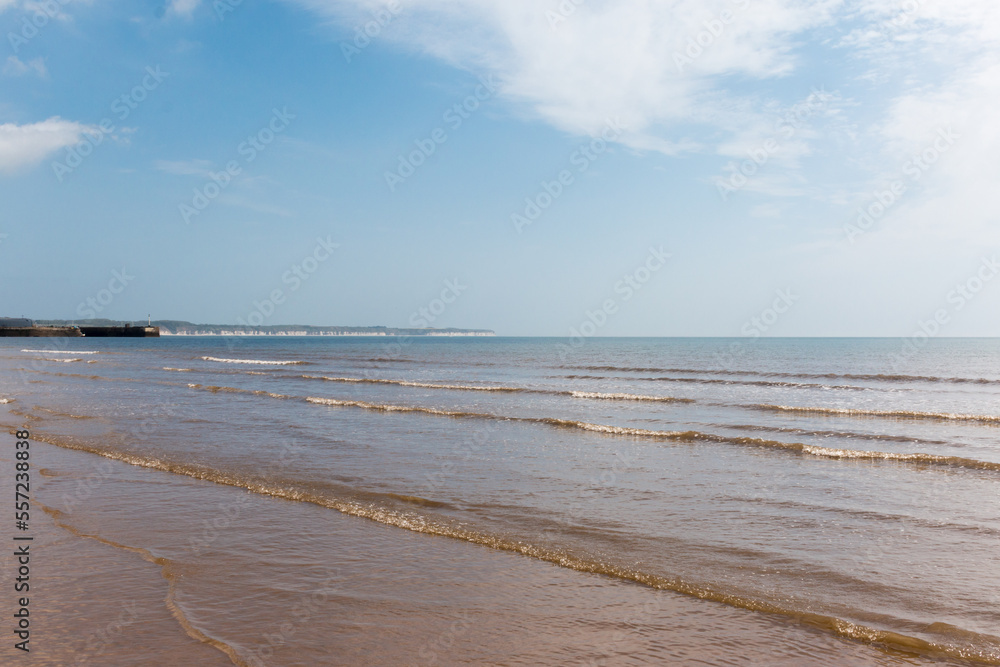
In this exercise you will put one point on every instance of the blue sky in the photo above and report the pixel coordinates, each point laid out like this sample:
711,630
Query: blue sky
744,138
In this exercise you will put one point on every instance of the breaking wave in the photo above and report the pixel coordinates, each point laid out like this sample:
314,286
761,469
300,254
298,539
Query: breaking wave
628,397
896,414
677,436
872,377
465,387
382,407
407,383
749,383
255,362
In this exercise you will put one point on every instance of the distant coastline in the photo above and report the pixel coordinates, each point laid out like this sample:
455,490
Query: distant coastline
181,328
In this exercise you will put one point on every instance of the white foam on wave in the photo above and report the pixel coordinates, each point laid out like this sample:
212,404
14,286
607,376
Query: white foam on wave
177,370
255,362
684,436
896,456
65,361
621,430
5,401
627,397
389,408
408,383
59,352
905,414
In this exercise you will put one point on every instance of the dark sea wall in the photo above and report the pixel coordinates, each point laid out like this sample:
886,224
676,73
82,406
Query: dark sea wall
39,332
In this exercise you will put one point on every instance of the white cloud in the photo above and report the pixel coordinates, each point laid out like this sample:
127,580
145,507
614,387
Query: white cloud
23,146
674,72
15,67
940,62
183,8
684,76
52,9
954,196
625,59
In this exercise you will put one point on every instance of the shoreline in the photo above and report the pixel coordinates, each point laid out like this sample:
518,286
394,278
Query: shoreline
508,591
459,525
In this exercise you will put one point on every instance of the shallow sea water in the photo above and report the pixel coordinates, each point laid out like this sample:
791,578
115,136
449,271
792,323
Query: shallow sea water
309,501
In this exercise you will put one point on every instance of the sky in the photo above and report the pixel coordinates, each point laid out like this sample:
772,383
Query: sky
535,167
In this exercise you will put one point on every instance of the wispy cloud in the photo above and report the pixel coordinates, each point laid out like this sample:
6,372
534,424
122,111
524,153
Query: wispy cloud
631,59
51,9
712,76
183,8
15,67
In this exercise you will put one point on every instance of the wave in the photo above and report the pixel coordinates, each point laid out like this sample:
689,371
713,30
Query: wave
408,518
676,436
67,415
5,401
167,569
873,377
465,387
893,377
681,436
256,362
896,414
234,390
59,352
382,407
760,383
178,370
867,514
65,361
24,415
817,433
627,397
623,430
955,461
407,383
749,383
405,360
79,375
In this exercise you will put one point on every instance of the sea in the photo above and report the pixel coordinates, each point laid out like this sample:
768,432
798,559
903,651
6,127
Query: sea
505,501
